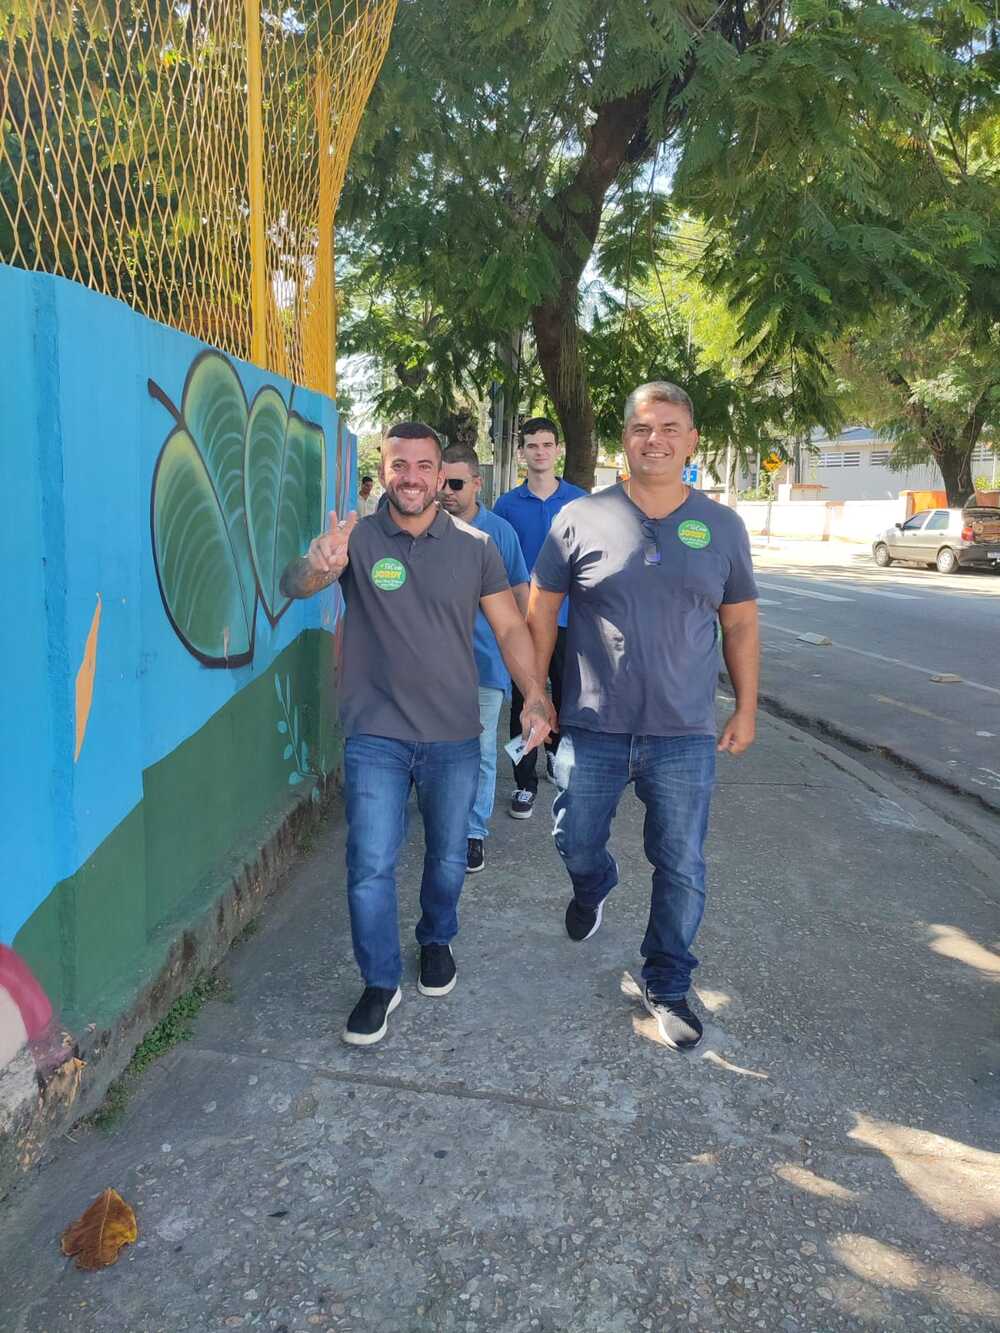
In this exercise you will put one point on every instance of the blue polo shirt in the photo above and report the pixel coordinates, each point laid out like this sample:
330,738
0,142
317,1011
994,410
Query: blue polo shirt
492,672
531,519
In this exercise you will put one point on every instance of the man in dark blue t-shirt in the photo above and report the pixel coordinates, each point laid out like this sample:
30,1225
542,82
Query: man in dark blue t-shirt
530,509
651,569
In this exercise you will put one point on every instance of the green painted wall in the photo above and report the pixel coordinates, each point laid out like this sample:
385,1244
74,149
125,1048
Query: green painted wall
206,808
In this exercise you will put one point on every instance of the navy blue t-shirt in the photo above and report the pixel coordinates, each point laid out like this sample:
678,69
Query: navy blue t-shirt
642,653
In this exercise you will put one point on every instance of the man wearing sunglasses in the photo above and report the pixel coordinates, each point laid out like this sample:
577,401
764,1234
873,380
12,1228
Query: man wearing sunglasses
413,580
651,570
460,498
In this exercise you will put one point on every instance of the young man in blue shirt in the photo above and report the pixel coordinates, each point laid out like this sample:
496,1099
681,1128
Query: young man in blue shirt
460,498
530,509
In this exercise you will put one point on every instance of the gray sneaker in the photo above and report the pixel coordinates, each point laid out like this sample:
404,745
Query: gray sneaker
679,1026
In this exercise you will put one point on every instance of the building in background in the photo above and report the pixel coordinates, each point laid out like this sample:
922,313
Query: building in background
851,465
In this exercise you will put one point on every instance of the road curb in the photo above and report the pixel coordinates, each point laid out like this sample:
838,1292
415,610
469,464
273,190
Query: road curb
982,855
846,736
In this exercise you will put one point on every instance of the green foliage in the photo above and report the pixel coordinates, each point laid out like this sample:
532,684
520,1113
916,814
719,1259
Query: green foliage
513,167
933,394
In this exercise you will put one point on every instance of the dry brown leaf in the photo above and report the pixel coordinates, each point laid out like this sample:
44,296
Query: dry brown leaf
97,1236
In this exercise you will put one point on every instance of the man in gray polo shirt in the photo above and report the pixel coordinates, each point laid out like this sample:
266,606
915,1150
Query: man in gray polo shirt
651,569
413,579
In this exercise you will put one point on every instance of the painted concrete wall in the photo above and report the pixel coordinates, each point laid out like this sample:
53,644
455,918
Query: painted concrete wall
821,520
162,707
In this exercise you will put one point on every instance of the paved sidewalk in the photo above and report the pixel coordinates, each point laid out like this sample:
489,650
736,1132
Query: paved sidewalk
524,1155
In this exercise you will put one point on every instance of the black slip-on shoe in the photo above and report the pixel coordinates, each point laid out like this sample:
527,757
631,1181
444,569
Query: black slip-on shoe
437,970
369,1020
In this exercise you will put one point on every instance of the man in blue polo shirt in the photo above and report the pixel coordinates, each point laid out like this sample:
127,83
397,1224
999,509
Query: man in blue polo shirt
460,498
530,509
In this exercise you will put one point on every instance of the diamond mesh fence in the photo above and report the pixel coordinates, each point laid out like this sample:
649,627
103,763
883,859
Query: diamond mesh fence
187,158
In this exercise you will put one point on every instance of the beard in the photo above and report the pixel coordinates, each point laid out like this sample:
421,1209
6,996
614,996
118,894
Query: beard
411,506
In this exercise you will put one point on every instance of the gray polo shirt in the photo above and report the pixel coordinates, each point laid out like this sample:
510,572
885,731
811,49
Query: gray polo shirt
408,668
642,653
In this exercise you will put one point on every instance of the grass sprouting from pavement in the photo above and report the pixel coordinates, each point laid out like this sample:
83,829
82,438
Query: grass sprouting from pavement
176,1025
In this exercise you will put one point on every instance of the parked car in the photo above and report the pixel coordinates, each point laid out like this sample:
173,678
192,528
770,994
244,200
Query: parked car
950,539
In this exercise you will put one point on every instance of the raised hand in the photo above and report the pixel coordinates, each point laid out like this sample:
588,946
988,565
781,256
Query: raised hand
324,562
327,553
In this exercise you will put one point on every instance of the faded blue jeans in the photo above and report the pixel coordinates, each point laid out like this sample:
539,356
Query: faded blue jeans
379,773
490,703
673,777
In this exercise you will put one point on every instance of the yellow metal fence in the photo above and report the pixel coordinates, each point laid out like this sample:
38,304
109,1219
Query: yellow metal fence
188,157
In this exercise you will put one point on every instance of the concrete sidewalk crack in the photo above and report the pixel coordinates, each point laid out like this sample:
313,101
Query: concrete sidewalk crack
395,1083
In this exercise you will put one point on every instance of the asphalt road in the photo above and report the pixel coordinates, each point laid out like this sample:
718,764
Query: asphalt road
891,631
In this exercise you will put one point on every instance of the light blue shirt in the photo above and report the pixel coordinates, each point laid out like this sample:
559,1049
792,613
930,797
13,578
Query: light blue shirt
492,672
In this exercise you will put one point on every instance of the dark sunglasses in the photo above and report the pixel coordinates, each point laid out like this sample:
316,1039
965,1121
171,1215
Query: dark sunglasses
651,553
455,483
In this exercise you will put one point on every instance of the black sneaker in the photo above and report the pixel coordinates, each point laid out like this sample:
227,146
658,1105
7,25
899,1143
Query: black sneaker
679,1026
582,922
369,1018
550,767
437,970
474,857
522,805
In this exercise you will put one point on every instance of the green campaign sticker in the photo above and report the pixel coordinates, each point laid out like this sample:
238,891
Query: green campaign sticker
388,574
694,534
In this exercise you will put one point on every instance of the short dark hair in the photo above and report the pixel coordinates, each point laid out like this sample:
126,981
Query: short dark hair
533,425
461,453
413,430
364,479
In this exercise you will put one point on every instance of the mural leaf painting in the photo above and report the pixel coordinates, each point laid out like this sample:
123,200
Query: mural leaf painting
298,749
200,542
284,470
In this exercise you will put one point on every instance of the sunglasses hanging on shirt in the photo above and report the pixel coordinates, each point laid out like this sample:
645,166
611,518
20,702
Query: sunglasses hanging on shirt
651,553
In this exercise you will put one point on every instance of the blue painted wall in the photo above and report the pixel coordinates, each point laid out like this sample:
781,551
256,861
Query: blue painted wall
81,435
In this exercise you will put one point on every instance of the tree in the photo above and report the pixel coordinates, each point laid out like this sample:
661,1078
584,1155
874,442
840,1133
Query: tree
501,141
934,395
891,253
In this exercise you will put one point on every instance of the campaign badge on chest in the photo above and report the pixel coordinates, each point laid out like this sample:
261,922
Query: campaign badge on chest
388,574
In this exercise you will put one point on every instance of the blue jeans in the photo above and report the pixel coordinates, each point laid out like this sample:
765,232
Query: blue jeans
490,703
379,773
673,779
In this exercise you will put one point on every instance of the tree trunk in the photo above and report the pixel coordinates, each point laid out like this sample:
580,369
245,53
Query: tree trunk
955,462
557,341
570,223
953,452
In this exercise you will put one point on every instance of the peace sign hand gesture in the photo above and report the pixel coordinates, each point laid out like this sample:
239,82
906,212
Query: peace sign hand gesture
327,554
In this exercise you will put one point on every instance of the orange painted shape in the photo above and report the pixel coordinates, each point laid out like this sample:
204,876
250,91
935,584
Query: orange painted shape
85,680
